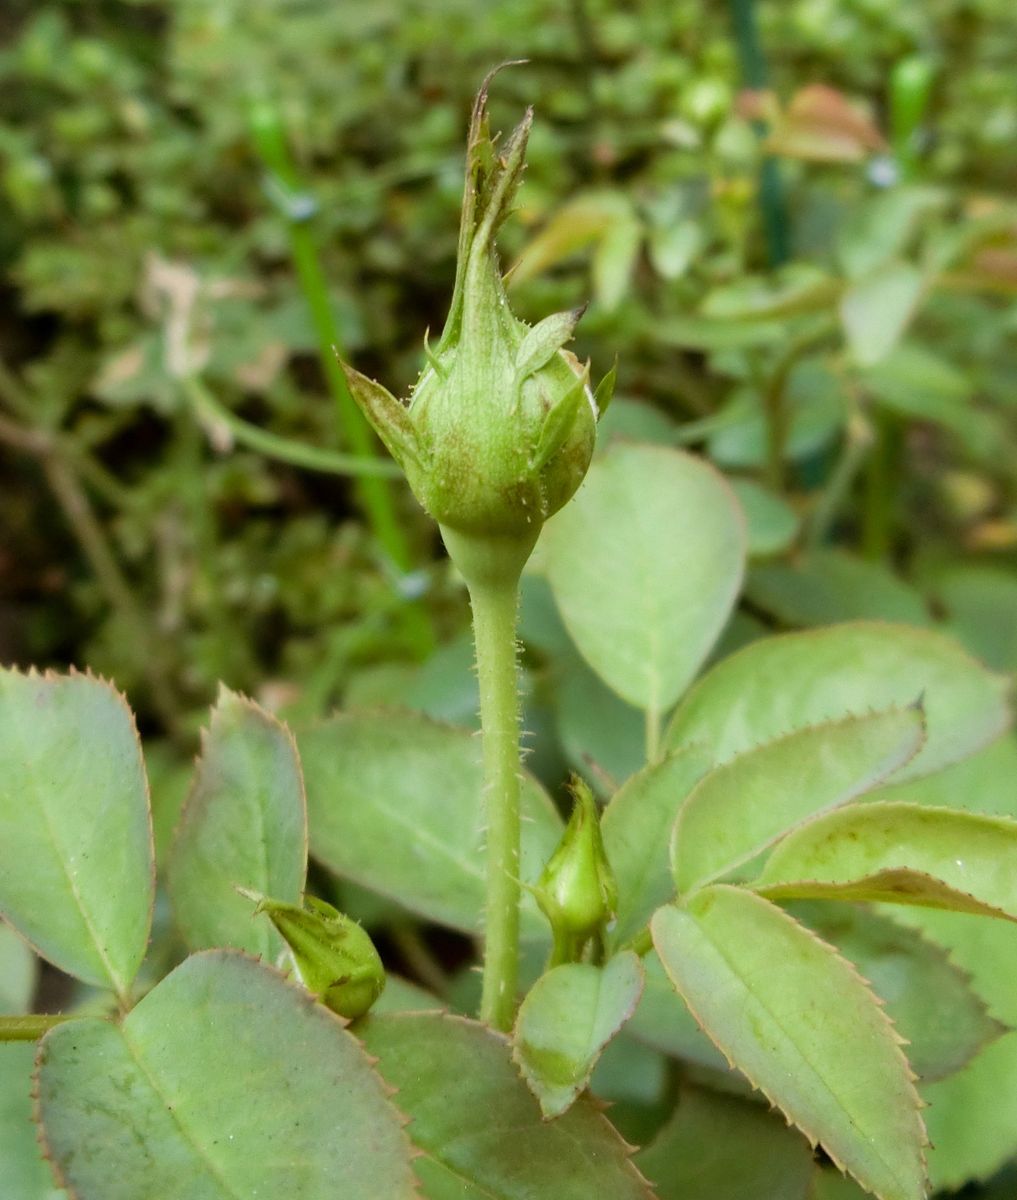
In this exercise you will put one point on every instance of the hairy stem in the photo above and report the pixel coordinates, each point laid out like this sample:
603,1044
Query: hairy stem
494,626
30,1028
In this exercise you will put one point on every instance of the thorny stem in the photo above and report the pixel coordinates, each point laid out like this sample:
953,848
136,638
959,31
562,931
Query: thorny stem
494,626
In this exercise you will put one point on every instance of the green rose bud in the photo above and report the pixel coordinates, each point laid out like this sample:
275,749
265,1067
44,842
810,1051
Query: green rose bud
499,430
332,956
577,891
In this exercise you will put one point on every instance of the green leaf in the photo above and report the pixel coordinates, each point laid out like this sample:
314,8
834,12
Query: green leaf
18,972
804,1027
480,1129
722,1148
828,1184
568,1017
26,1175
780,684
614,261
586,219
595,725
636,827
76,859
560,421
876,309
980,603
930,1001
972,1116
816,408
244,825
224,1082
544,340
662,1020
673,247
772,523
745,805
645,565
826,586
902,854
394,803
982,783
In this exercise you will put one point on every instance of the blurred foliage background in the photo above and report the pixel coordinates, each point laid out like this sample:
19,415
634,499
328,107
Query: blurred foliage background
794,222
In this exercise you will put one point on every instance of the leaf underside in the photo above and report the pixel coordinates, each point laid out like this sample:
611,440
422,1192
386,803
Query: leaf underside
901,853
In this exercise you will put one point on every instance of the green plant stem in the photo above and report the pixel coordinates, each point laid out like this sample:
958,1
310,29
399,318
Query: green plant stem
775,401
30,1028
271,141
642,943
311,458
772,202
858,441
652,735
495,606
878,497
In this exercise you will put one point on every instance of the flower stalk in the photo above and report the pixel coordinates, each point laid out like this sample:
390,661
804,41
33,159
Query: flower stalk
496,436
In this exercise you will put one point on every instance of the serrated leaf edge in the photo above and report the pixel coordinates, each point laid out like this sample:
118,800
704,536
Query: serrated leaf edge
583,1081
628,1150
892,710
310,1005
1002,682
49,675
895,1038
216,715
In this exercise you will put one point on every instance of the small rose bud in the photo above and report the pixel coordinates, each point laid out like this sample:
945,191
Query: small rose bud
332,956
577,891
499,430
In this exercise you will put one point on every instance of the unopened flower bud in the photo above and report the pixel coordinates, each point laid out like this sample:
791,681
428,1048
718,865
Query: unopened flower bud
577,891
332,956
499,430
